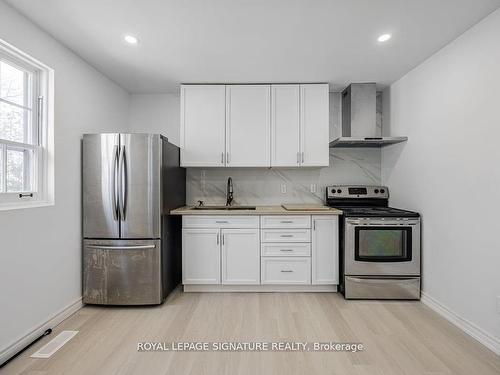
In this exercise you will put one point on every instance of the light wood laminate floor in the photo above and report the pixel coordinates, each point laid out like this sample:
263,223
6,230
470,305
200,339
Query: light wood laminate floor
399,338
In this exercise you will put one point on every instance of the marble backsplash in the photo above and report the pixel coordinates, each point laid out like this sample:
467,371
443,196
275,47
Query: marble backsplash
261,186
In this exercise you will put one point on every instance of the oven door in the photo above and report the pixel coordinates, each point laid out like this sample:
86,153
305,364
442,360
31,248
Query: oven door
382,246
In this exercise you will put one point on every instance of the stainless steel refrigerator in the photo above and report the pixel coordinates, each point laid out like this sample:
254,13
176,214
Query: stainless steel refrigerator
131,245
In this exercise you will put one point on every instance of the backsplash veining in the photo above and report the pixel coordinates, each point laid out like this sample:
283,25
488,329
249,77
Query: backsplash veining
259,186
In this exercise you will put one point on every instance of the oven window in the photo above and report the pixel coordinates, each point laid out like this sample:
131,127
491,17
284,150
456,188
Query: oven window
383,244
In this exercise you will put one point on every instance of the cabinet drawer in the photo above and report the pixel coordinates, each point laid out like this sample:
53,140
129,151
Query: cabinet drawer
215,221
285,221
285,235
281,270
285,249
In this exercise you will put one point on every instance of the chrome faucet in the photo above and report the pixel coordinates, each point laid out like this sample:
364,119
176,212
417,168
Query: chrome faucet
229,192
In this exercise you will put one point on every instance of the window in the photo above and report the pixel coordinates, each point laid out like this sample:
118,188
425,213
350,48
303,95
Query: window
25,134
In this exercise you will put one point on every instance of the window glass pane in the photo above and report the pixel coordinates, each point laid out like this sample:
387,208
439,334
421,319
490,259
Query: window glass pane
14,123
18,170
13,84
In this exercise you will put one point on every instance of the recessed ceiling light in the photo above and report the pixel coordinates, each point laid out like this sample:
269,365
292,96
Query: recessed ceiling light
130,39
384,38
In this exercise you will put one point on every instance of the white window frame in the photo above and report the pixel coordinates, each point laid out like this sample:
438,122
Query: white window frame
42,97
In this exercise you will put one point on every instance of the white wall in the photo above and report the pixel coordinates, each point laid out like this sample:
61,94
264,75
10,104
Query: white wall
40,248
156,113
449,107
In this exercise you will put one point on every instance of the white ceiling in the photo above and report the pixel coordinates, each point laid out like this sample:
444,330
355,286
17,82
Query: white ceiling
253,40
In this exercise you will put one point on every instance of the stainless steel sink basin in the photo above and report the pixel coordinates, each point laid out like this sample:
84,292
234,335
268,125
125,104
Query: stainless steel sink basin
224,208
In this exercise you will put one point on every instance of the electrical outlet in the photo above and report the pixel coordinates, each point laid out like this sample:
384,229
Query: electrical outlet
313,188
283,188
498,304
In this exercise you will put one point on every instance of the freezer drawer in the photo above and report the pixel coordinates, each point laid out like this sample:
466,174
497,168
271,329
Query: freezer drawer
122,272
359,287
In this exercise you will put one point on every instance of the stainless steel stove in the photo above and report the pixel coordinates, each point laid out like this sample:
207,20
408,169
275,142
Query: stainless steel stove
379,245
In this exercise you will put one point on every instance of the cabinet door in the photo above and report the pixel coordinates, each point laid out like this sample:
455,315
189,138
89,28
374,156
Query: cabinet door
200,256
325,250
314,131
248,140
285,147
203,125
240,256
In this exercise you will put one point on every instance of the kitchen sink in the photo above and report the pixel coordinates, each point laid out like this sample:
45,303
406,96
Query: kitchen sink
224,208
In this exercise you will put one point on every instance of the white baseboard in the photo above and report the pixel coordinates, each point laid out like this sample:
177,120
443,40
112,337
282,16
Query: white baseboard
259,288
468,327
36,332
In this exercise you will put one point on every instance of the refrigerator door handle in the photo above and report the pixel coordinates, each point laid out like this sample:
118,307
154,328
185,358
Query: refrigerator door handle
116,209
122,168
132,247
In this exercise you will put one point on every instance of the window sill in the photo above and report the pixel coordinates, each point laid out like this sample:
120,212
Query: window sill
25,204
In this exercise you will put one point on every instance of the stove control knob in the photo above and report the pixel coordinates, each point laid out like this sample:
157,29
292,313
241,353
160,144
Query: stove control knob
339,191
382,191
376,191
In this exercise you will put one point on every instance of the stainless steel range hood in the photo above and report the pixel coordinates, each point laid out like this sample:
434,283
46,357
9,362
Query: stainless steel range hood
359,119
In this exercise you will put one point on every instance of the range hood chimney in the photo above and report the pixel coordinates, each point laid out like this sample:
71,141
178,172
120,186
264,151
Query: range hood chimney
359,119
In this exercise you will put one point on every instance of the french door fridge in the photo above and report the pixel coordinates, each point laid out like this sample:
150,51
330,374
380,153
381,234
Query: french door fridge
131,246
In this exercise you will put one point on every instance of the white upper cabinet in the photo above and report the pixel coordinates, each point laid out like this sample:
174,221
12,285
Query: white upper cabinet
314,128
299,125
254,125
203,112
285,116
248,126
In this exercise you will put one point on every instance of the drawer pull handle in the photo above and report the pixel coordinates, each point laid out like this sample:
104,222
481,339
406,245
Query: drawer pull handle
221,221
286,235
286,221
286,249
286,271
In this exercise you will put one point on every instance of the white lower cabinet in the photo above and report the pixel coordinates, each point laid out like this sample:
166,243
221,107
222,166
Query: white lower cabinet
240,256
200,256
271,250
286,270
325,254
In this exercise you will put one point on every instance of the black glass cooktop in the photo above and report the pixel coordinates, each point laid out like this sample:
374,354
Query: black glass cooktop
376,212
